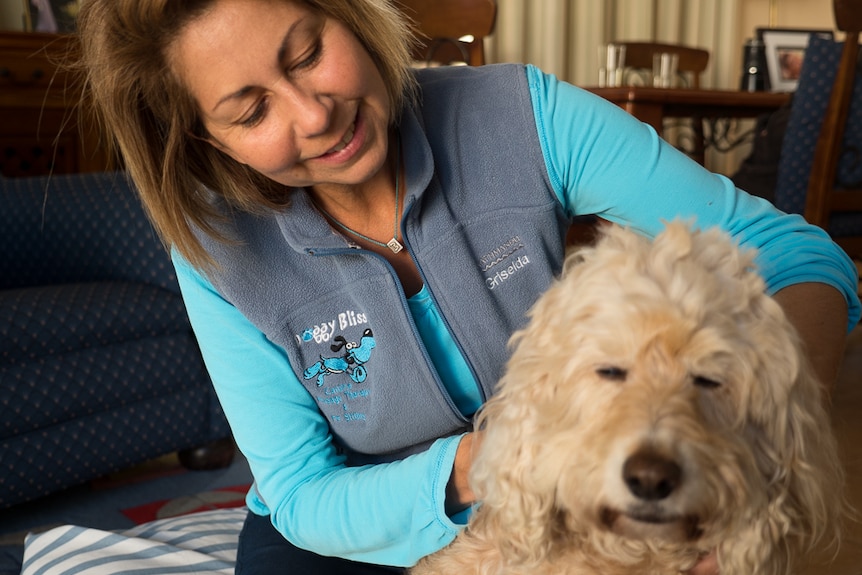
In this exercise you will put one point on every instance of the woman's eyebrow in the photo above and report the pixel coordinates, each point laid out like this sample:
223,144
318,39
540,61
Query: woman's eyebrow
280,56
234,96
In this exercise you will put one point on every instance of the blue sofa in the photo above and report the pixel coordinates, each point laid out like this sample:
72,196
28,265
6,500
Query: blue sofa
99,368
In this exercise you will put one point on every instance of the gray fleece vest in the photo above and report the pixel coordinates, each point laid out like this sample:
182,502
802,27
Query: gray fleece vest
485,230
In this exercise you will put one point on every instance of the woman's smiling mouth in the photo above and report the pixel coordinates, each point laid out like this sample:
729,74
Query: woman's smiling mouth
348,136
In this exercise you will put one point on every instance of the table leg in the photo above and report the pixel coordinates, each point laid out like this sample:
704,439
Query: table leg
652,114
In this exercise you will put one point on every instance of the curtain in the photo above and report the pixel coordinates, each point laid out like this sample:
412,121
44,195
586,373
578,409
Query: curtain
563,36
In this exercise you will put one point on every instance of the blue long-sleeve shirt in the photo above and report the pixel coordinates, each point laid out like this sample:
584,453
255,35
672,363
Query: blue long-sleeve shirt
599,160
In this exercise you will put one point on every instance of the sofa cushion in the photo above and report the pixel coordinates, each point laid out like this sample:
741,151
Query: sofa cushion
57,319
78,227
77,349
97,383
71,452
99,367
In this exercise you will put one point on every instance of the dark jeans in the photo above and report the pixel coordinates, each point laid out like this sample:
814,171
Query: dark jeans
263,551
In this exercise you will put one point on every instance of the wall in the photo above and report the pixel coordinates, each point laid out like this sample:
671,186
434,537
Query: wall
790,14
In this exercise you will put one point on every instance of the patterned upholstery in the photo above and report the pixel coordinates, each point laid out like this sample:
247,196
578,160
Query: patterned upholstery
797,153
99,369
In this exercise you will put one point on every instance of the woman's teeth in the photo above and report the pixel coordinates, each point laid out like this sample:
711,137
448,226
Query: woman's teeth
344,141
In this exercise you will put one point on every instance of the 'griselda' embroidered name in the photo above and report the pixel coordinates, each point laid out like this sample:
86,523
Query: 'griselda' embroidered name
501,253
502,275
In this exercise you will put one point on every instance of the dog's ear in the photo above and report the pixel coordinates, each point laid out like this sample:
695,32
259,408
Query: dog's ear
795,448
517,511
513,473
782,403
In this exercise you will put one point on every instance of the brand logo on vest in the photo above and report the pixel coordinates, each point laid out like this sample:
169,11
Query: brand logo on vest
501,253
351,362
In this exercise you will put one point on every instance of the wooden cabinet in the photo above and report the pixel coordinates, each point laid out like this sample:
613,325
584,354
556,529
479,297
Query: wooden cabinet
40,128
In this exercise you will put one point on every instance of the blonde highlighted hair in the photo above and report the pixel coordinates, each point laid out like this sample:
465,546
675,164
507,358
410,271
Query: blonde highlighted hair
152,121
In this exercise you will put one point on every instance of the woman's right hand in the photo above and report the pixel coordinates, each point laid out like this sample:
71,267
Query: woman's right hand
459,495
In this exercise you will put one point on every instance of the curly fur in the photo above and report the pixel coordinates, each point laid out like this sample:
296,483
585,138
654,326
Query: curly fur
671,350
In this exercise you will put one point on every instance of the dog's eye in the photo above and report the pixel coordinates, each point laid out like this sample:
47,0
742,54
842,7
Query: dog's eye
612,373
706,382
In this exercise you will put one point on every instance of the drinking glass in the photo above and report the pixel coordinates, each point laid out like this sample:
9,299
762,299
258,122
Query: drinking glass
612,61
664,66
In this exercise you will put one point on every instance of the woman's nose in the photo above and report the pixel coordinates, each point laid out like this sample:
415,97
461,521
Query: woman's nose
308,110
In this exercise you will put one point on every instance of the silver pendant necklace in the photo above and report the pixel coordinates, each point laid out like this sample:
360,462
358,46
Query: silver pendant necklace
392,244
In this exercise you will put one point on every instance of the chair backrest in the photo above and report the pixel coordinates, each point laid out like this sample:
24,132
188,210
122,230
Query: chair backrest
442,27
690,65
824,198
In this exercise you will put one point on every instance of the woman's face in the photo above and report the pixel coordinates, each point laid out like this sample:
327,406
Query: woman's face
286,90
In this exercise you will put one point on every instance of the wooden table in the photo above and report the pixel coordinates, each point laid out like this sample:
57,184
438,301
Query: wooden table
653,105
714,107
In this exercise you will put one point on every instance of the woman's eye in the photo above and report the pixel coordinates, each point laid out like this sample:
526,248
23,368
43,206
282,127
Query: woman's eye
260,109
256,115
612,373
311,58
706,383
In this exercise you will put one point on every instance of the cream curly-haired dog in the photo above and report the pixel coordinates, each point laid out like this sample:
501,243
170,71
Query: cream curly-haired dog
657,406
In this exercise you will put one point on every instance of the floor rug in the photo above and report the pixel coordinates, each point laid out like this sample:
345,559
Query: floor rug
104,503
222,498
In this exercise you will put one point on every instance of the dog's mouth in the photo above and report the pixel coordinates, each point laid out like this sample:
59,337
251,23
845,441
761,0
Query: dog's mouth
650,523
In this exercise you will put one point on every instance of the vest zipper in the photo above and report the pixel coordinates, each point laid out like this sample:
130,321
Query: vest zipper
409,248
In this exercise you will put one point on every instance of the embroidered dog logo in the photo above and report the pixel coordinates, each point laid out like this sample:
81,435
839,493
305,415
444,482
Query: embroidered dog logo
351,361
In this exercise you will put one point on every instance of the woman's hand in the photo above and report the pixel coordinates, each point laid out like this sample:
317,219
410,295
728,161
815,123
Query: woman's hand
459,495
706,566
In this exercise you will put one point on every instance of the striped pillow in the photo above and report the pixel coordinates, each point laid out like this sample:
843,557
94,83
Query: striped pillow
203,542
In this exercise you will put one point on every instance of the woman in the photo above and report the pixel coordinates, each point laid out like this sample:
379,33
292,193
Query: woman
355,244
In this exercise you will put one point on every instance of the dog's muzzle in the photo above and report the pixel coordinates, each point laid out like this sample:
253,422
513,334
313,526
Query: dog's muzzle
651,478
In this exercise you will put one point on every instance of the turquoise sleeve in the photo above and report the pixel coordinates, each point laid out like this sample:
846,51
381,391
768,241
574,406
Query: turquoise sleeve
388,514
603,161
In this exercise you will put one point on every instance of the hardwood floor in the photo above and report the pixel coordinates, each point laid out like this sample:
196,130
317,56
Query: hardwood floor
847,422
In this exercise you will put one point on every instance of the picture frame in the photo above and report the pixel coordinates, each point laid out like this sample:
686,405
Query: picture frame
66,14
784,49
54,16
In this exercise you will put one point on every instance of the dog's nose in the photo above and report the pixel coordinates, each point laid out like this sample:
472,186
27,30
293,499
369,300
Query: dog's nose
651,476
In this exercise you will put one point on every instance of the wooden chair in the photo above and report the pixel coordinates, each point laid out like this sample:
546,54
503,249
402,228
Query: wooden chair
691,64
442,25
823,198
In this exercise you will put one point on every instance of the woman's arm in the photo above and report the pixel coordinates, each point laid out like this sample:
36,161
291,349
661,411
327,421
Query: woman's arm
603,161
819,313
390,514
